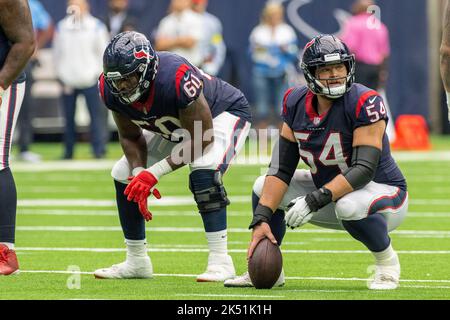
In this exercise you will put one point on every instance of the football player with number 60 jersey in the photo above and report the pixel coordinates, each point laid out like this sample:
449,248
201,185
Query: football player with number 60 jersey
337,127
169,113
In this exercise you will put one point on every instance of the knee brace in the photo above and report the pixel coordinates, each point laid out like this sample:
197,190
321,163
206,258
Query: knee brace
347,209
208,190
258,185
121,170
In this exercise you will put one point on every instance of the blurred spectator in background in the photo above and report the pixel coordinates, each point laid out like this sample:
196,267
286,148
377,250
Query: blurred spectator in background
273,47
212,45
79,42
43,28
118,19
181,32
368,38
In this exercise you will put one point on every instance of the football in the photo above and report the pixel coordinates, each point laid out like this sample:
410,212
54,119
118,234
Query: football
264,267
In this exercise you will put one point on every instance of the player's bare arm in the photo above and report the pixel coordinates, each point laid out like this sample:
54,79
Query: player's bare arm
198,113
365,136
445,53
275,186
132,141
15,20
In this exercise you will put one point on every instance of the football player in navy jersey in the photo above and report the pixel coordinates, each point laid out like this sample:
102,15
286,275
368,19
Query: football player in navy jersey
17,45
337,127
168,114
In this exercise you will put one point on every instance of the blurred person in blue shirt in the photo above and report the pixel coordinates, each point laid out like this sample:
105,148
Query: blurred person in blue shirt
212,44
43,28
273,49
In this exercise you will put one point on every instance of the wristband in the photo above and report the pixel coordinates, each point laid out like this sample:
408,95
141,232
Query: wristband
136,171
261,214
160,169
318,199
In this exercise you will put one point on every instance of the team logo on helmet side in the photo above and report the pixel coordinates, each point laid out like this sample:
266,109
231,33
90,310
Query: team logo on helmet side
142,54
309,44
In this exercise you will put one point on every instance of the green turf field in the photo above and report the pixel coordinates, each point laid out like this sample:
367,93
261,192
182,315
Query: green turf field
67,221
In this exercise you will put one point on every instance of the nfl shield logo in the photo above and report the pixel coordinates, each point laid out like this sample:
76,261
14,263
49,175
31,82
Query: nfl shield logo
316,120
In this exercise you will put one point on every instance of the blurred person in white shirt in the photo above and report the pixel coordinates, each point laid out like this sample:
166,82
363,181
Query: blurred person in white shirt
273,49
212,44
78,45
181,32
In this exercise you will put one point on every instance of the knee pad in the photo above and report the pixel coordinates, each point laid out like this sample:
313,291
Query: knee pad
121,170
347,209
208,190
258,185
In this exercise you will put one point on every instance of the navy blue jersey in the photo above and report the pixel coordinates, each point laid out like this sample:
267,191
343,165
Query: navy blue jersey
5,46
325,141
176,86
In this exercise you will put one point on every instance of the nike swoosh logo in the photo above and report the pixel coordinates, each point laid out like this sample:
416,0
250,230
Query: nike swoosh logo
372,100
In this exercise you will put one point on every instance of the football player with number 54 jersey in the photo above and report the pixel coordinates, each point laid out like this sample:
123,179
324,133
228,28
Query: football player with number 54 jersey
168,114
337,127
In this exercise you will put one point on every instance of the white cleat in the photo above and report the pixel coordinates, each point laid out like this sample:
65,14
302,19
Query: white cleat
220,268
139,269
386,278
244,281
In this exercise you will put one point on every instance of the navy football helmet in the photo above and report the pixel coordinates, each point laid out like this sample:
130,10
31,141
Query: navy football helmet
129,57
325,50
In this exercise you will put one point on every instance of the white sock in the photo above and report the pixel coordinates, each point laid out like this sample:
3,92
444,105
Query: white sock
136,249
217,242
387,257
8,244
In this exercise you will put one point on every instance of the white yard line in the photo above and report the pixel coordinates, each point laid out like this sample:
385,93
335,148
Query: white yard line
196,249
231,230
166,201
365,279
227,295
190,213
287,278
242,159
426,287
81,212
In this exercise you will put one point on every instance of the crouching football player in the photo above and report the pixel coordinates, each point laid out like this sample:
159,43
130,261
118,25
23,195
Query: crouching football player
337,127
153,96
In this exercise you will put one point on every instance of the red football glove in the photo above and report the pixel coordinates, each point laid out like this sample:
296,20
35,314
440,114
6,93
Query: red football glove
143,209
140,188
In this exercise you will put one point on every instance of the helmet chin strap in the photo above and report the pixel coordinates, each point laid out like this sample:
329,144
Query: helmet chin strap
332,92
133,98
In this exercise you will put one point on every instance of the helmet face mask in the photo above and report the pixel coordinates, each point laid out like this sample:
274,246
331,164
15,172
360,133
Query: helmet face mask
323,51
127,87
129,66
